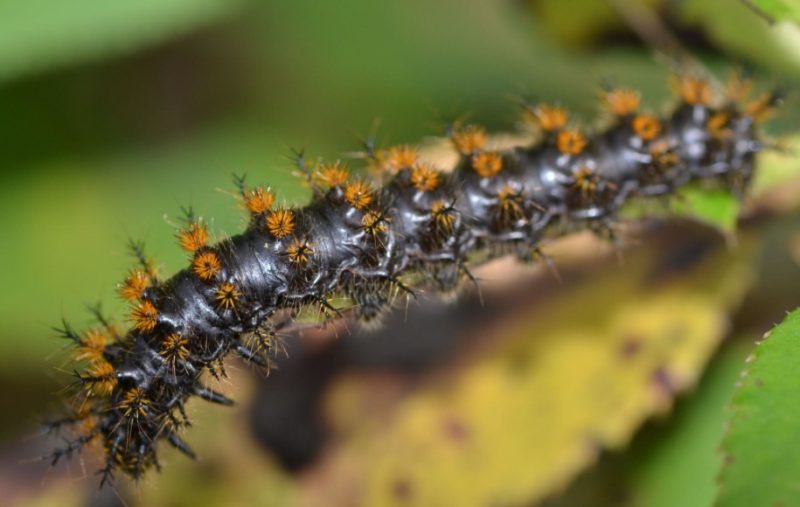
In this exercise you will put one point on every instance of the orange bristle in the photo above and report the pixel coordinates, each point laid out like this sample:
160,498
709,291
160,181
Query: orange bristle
194,237
358,195
487,164
280,223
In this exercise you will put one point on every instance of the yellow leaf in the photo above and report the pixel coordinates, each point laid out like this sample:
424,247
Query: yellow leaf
577,375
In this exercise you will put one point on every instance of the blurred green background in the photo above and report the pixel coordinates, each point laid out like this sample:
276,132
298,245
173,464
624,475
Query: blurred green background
115,114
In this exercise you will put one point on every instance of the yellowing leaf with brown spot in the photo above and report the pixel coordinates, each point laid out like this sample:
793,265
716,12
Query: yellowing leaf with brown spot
576,375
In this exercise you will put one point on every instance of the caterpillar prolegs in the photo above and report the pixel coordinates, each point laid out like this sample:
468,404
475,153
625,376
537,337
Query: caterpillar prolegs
368,241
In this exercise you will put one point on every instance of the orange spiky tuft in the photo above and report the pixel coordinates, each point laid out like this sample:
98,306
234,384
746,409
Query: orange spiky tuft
280,223
174,348
258,200
134,285
550,118
469,139
571,142
101,379
300,251
487,164
694,90
374,223
646,126
144,316
206,265
762,107
194,237
401,157
358,194
134,403
622,101
424,178
334,174
91,346
585,181
509,203
227,296
443,216
719,125
663,156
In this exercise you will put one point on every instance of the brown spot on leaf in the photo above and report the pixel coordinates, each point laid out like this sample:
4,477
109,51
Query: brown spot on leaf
662,380
631,347
455,430
401,490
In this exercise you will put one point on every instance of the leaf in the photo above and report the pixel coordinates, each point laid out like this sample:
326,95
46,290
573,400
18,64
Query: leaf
777,167
39,34
678,468
577,23
63,494
777,9
575,376
725,23
672,462
762,466
584,22
716,207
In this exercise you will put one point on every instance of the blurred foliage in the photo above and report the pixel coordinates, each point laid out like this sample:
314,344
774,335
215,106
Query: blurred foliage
581,22
674,461
781,167
678,467
43,34
713,206
116,113
778,9
586,23
747,37
761,467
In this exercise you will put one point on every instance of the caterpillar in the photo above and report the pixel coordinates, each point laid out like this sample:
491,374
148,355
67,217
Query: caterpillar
420,226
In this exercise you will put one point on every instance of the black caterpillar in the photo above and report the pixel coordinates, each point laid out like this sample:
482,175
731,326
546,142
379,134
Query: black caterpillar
372,243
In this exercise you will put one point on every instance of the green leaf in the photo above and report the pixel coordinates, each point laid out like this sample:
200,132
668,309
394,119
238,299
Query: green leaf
678,467
38,34
778,9
716,207
762,465
739,30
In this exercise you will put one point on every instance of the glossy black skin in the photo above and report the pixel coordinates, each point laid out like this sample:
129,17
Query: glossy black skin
346,258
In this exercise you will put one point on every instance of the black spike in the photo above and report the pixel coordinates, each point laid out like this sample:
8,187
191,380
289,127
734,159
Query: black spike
66,331
239,182
178,443
300,162
136,249
212,396
251,355
96,310
188,215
